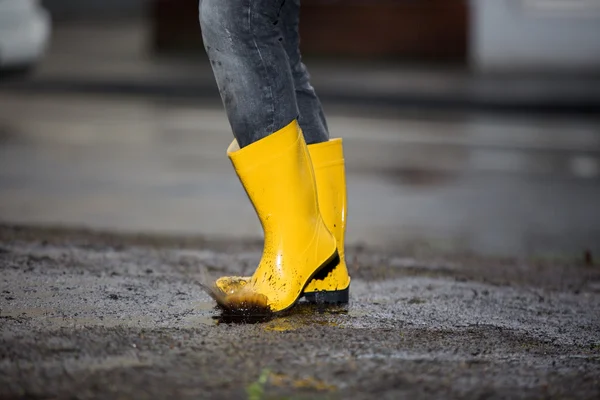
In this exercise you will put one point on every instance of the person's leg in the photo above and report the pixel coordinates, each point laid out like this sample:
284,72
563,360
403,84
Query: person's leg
269,155
311,116
242,40
327,159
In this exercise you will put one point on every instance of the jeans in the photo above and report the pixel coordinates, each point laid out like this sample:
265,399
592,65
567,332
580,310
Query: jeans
253,48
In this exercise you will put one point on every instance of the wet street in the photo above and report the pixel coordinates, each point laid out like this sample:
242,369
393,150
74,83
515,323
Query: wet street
486,184
473,245
107,316
104,316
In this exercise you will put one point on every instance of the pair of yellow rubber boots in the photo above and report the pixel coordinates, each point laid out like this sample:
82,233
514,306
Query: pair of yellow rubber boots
299,194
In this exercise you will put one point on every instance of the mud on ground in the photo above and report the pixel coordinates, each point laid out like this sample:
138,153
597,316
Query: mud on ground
97,315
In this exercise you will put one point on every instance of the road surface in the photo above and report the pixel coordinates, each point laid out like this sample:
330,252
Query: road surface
89,315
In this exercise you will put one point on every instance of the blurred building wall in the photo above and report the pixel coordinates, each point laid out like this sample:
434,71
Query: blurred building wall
88,9
535,35
421,30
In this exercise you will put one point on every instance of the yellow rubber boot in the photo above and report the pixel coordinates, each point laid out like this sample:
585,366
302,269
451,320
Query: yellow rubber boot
278,177
328,163
330,285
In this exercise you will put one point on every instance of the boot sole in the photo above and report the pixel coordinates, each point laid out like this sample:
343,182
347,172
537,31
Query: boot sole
323,270
328,296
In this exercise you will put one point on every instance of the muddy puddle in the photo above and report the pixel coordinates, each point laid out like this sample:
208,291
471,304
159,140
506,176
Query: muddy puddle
300,316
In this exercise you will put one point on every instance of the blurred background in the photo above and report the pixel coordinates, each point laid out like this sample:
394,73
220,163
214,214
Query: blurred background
469,126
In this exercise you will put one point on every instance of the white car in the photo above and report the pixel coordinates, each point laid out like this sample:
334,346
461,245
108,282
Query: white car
25,29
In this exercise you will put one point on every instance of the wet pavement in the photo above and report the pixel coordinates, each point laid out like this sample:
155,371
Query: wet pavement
496,185
87,315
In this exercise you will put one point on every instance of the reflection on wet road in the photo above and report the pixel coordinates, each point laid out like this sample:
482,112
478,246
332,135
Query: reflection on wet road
509,185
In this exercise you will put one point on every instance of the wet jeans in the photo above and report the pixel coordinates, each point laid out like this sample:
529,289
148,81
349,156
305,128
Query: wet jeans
253,47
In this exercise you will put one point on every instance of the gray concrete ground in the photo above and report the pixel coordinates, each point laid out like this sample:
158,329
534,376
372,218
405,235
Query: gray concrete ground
106,316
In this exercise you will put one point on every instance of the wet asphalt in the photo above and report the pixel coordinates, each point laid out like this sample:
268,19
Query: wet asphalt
495,185
98,315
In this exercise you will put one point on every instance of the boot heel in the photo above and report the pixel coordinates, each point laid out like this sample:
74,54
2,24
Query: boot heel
329,296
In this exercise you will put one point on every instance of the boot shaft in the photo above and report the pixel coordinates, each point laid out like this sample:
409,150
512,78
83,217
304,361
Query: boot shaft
279,181
328,163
